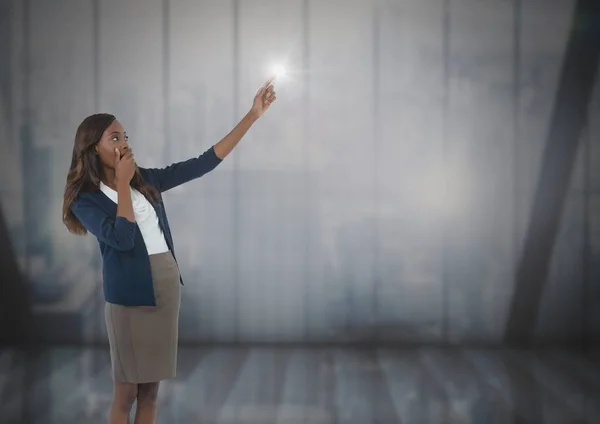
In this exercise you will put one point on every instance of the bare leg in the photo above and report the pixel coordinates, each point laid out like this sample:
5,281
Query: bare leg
123,397
146,403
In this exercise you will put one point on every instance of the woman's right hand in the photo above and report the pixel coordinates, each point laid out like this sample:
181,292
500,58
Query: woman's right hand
124,166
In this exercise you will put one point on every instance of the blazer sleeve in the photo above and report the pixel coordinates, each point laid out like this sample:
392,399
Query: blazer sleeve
181,172
118,233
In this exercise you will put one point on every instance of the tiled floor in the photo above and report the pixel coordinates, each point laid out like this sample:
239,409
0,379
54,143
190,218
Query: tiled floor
265,385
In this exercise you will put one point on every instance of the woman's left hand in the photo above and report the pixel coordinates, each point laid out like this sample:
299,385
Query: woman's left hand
264,98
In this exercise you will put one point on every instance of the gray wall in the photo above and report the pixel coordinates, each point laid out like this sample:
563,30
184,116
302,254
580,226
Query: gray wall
386,193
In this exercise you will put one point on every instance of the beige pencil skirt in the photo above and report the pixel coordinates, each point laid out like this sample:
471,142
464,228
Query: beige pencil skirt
143,339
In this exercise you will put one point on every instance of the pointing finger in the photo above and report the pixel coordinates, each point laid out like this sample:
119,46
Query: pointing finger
269,81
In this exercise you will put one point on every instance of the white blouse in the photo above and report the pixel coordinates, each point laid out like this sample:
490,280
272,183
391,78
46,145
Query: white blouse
145,217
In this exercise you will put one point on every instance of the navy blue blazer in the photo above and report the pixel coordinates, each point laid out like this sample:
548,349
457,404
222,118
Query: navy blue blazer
126,274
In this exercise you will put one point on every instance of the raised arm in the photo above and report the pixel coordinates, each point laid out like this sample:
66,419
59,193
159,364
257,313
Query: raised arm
181,172
228,143
262,100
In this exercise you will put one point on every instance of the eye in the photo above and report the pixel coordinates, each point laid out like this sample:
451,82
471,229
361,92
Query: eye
115,138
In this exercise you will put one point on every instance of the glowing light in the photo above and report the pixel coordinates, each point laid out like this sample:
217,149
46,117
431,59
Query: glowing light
279,71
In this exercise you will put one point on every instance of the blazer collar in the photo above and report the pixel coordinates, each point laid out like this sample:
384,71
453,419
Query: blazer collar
108,205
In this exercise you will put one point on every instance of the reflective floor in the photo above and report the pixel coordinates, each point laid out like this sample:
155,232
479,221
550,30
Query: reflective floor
265,385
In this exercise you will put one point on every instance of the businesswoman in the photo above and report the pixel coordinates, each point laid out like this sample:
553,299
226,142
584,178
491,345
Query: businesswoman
108,195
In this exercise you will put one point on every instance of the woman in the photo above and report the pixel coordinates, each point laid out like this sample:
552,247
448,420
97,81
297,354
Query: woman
109,196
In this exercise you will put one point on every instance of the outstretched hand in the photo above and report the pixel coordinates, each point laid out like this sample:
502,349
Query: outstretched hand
264,98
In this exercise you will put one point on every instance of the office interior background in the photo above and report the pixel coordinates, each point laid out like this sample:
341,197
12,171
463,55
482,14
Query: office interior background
429,174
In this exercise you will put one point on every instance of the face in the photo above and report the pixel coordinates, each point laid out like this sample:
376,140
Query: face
113,137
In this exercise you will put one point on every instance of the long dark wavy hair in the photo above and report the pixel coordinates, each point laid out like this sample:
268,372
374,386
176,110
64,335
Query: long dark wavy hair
86,171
